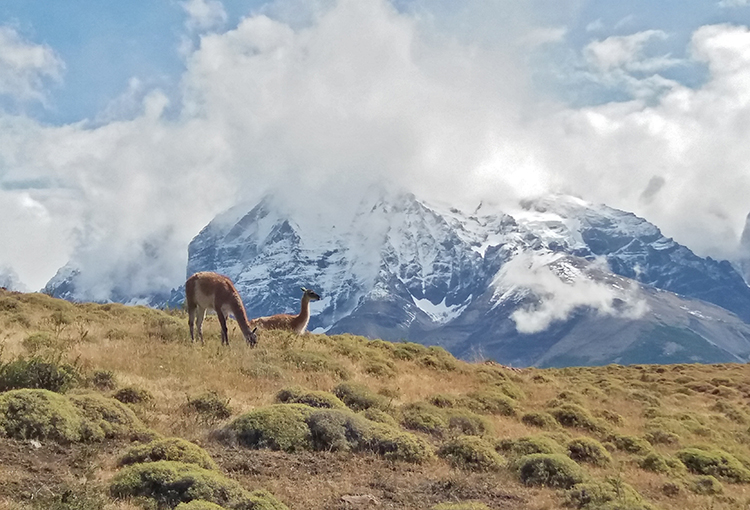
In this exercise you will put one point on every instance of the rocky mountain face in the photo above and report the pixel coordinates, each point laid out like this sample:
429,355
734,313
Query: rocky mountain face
556,282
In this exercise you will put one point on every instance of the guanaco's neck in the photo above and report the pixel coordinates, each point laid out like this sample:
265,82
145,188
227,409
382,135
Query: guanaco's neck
238,309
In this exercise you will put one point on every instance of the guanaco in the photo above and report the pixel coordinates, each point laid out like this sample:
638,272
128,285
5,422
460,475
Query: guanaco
294,323
212,291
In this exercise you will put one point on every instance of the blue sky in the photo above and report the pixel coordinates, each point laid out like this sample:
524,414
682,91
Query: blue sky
127,125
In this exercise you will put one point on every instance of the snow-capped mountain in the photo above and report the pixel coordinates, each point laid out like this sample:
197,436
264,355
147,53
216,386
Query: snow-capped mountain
555,281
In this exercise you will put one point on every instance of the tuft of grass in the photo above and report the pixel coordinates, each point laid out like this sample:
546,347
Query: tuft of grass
322,399
103,380
133,395
471,453
549,470
590,451
359,397
540,420
575,416
172,448
209,407
714,462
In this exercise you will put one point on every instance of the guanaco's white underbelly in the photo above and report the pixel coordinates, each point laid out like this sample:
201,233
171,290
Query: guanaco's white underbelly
207,301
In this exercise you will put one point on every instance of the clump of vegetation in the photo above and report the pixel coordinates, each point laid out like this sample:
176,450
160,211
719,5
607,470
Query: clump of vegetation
165,328
591,451
659,436
172,448
730,411
209,406
471,453
714,462
296,427
169,483
133,395
528,445
575,416
38,373
610,416
423,417
464,505
658,463
549,470
379,416
540,420
103,380
42,414
510,389
630,444
491,402
444,400
198,504
465,422
315,361
359,397
706,486
611,494
321,399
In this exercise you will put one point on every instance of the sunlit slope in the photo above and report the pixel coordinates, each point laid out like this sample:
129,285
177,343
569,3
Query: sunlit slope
306,421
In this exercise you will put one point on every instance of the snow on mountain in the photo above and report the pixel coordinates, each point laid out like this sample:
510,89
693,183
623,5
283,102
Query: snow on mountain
532,285
10,280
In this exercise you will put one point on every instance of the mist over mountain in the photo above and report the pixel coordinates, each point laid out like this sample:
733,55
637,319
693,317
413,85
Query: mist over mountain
555,281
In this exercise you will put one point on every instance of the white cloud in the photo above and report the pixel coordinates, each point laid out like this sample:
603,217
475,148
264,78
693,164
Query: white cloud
734,3
560,286
204,14
626,52
25,67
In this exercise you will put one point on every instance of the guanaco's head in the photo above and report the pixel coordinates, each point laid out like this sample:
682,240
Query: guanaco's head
252,337
310,294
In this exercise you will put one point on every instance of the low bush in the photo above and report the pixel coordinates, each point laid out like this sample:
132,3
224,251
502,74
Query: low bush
38,373
423,417
437,358
549,470
359,397
295,427
510,389
172,448
103,380
106,418
540,420
464,505
611,494
379,416
630,444
169,483
717,463
471,453
527,445
465,422
321,399
706,485
133,395
659,463
198,504
491,402
574,416
659,436
590,451
209,406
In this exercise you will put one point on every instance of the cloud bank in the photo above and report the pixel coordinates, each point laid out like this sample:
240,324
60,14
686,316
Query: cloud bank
319,102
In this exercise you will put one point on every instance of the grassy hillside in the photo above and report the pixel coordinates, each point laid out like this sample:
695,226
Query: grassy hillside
108,406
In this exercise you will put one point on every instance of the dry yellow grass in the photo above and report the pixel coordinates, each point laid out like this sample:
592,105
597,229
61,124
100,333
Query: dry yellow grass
151,350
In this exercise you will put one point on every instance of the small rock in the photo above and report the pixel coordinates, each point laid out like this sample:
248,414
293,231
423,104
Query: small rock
36,444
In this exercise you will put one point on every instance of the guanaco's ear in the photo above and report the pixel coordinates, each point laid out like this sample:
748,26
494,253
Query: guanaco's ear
303,289
255,329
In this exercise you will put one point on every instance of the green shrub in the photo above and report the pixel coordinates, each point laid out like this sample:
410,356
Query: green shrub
321,399
38,373
172,448
359,397
209,407
549,470
540,420
39,414
527,445
611,494
491,402
610,416
444,401
380,367
423,417
658,463
106,418
316,361
278,427
76,497
294,427
437,358
465,422
471,453
408,351
133,395
510,389
714,462
659,436
379,416
706,485
591,451
630,444
170,483
730,411
574,416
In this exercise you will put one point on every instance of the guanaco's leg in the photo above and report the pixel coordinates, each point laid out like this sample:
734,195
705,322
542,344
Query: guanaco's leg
223,322
201,314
